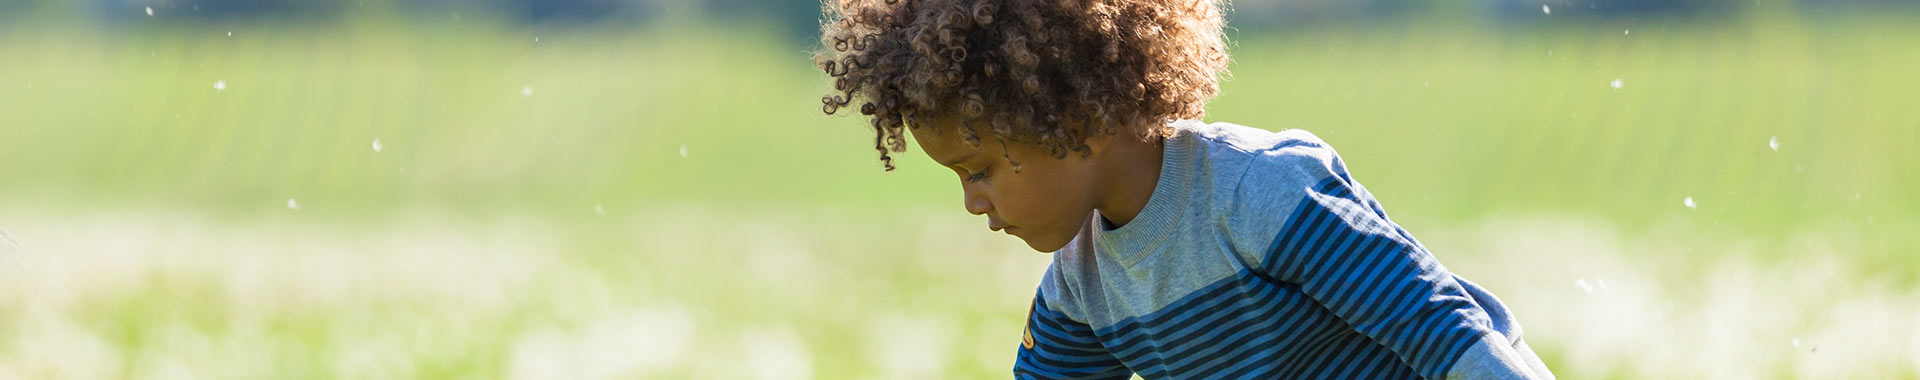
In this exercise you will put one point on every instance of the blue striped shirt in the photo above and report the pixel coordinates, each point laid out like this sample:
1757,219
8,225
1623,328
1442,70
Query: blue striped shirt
1259,256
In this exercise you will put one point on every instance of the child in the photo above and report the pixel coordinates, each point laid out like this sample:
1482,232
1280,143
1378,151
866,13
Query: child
1180,249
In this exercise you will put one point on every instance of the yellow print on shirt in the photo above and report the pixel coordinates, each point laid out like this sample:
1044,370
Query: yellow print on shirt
1026,338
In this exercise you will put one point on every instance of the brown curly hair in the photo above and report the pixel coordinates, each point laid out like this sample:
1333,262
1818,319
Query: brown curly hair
1044,72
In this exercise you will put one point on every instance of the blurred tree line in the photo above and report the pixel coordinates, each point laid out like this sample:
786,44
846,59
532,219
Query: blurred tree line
803,15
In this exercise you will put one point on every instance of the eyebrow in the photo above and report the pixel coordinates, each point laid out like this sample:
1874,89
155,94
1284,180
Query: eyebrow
957,161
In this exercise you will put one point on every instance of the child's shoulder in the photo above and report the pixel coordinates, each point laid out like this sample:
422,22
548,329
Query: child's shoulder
1251,140
1253,161
1263,176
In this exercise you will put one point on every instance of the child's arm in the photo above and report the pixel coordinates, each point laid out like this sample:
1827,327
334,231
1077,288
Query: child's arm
1055,346
1342,251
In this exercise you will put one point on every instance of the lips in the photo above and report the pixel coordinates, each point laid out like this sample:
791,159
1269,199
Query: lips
996,224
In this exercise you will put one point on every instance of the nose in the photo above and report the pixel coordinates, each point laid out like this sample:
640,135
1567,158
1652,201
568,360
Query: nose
976,203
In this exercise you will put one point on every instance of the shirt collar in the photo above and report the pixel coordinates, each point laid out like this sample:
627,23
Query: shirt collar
1148,230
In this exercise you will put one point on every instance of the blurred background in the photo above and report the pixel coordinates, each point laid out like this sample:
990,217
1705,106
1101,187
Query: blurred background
609,189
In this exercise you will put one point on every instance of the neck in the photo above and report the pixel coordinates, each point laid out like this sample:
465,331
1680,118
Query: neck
1129,178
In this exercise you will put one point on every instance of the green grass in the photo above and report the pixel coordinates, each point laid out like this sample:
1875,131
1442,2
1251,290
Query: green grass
1449,121
155,205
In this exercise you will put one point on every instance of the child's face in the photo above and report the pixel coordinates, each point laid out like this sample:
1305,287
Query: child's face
1046,203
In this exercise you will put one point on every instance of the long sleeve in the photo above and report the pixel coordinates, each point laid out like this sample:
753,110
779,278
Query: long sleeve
1345,254
1054,346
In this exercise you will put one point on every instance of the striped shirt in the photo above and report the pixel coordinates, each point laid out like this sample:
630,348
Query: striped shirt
1258,256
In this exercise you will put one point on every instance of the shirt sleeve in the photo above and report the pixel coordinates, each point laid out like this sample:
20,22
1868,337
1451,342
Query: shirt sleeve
1333,240
1055,346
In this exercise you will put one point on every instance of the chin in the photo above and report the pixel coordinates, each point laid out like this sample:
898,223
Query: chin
1044,245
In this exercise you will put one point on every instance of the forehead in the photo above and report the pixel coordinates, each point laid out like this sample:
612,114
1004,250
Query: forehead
944,141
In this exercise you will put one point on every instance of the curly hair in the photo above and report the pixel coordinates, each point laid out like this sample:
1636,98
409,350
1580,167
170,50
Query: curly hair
1045,72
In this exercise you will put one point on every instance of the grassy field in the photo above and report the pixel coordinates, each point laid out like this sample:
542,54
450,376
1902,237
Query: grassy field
667,202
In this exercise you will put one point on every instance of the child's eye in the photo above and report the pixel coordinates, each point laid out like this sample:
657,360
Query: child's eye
976,177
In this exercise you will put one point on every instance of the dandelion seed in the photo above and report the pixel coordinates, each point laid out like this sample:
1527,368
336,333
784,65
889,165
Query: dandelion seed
1774,143
1627,32
295,205
219,86
526,91
1796,342
1617,84
1544,9
683,150
149,11
376,145
1689,203
7,245
599,210
1584,285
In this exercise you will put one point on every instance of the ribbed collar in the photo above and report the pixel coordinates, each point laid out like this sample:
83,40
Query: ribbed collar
1144,234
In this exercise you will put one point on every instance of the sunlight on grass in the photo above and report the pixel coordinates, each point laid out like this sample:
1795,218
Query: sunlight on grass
160,295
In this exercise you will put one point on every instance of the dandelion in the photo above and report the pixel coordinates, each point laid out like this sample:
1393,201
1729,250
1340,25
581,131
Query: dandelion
776,354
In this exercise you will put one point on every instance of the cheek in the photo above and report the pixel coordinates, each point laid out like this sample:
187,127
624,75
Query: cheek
1042,200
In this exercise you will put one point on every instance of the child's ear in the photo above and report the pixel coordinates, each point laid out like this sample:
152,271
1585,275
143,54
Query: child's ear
1097,144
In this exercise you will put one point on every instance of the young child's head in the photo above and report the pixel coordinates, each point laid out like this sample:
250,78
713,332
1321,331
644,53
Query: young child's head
1015,86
